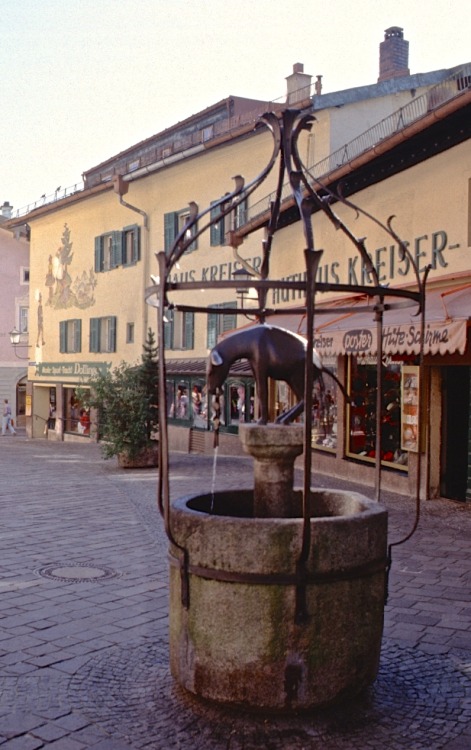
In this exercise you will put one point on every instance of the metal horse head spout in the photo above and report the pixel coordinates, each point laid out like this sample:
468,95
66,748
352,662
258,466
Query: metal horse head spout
272,353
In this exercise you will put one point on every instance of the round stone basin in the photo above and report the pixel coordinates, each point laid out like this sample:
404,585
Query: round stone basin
233,632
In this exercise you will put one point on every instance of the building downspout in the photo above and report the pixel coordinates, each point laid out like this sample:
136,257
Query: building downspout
121,187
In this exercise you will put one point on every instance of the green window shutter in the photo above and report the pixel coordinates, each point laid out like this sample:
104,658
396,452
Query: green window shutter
63,336
229,320
136,245
168,330
212,330
112,334
116,249
215,229
98,254
194,245
78,336
94,334
189,331
170,230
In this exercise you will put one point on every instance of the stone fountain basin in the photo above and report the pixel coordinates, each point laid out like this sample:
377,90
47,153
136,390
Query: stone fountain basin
237,641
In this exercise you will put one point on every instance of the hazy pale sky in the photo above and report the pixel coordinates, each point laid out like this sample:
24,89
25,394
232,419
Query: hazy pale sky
82,80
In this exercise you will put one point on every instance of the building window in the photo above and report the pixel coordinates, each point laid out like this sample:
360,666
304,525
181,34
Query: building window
130,245
233,220
174,223
70,336
219,323
24,275
241,214
208,133
218,229
23,317
130,333
119,248
103,334
179,330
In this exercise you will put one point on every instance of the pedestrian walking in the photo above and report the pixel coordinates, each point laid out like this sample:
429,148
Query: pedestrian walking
6,419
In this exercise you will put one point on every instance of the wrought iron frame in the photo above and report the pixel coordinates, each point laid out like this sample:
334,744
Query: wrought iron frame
309,194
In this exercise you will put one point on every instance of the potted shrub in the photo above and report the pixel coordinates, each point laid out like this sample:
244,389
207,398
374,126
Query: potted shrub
125,401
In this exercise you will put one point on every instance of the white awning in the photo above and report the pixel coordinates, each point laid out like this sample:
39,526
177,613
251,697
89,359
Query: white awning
447,312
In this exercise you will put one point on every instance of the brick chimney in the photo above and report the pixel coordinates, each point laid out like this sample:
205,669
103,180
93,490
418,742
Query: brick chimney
6,210
393,55
298,85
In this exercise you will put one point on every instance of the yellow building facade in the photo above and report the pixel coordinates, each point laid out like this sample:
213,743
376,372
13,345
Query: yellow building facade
93,256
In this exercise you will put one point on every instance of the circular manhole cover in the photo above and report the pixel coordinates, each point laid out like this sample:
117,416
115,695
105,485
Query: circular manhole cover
74,572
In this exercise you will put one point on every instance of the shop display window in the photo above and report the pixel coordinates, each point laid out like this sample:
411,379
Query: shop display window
362,412
324,410
76,416
187,402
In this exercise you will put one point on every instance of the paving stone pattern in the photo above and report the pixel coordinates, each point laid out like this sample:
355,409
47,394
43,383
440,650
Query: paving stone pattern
83,618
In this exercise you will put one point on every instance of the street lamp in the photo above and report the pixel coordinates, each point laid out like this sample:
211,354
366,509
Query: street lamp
15,337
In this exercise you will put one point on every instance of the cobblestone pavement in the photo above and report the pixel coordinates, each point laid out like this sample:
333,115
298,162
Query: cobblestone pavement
83,619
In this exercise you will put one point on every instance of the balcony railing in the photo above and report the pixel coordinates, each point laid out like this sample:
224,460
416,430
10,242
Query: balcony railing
394,123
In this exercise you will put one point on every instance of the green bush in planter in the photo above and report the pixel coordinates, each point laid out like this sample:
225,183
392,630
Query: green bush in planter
126,402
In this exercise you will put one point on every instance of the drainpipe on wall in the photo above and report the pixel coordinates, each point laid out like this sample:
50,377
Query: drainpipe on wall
121,187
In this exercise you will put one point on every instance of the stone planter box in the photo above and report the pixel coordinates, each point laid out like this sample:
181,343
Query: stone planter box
147,458
237,641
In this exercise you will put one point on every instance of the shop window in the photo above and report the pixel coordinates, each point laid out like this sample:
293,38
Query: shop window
103,334
70,336
51,422
240,402
237,404
324,410
178,400
187,401
76,417
199,404
179,329
362,412
219,323
174,223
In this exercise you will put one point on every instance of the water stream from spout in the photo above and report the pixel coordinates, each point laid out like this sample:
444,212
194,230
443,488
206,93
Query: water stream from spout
213,479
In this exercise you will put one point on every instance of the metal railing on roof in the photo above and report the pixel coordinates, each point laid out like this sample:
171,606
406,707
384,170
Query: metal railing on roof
390,125
44,200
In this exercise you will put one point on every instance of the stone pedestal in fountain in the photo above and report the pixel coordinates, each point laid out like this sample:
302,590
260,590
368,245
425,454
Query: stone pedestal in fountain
274,449
233,635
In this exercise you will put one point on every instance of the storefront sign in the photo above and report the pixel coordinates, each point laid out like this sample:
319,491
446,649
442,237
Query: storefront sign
75,370
358,341
439,338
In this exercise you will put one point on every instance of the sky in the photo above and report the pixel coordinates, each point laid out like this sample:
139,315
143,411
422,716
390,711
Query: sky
82,80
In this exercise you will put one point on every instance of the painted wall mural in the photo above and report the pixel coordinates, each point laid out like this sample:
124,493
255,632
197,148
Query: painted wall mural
63,291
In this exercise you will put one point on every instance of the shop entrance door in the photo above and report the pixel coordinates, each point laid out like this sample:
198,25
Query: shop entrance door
455,432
